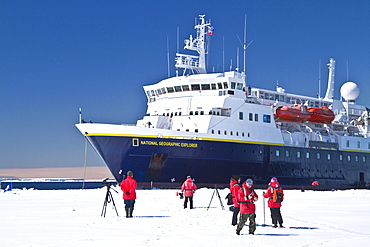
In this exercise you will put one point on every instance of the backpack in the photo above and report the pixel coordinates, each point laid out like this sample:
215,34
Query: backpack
229,199
277,194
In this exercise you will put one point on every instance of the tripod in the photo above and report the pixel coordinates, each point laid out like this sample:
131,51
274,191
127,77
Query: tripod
108,199
218,194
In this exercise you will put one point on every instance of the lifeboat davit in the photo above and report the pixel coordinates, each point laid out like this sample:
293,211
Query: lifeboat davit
294,113
321,115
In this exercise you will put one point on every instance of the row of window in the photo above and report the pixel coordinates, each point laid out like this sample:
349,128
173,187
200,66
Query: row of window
225,132
195,87
358,144
254,117
291,100
318,156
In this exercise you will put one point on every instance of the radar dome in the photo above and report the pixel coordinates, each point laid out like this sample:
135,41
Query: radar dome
349,91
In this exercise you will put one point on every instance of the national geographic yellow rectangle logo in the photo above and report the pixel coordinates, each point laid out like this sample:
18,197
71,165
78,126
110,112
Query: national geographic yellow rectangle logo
135,142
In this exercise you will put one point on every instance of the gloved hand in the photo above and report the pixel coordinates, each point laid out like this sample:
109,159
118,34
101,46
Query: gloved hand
127,193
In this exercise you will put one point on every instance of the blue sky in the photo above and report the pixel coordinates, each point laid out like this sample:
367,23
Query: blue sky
57,56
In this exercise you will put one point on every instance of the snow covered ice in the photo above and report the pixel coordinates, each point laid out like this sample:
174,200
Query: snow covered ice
36,218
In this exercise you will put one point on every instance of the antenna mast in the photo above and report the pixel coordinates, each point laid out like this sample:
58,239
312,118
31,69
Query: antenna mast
330,90
245,45
168,59
198,44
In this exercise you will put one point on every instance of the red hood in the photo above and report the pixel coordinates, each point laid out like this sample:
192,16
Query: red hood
232,182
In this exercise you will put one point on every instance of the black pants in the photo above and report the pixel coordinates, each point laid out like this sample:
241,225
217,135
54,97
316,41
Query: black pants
234,222
276,216
190,198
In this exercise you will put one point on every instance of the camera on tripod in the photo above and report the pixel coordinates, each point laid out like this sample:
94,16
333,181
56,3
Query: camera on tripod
108,196
106,183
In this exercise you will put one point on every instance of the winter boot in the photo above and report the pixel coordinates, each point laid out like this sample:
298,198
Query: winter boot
127,212
131,210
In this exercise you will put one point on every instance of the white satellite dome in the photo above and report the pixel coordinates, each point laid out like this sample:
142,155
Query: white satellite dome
350,91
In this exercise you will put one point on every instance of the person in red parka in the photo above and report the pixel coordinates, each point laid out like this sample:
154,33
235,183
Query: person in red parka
274,206
234,188
128,186
188,187
246,197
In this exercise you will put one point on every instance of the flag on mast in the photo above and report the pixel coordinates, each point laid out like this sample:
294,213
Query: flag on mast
210,30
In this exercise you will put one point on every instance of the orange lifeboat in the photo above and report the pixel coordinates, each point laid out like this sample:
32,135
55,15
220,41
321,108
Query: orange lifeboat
321,115
294,113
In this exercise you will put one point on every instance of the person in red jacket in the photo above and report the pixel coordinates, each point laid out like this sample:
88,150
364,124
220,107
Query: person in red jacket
234,188
188,187
246,197
128,186
274,206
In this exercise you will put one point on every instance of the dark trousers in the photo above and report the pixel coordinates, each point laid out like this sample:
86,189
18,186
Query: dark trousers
129,203
190,199
243,219
276,216
234,222
129,207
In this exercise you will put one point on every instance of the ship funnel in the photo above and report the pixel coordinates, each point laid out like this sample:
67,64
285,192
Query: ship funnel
330,90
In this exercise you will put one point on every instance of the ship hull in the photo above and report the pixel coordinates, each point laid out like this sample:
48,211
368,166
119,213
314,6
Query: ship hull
168,160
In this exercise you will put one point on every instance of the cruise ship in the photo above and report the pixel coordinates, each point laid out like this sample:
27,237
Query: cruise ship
214,125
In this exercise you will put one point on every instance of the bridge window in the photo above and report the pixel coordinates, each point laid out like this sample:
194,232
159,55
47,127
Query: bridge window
233,85
256,117
170,89
195,87
206,87
225,85
250,116
185,88
298,154
240,115
277,153
307,155
178,89
219,84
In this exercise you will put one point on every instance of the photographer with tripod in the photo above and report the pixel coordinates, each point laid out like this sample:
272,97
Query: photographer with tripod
128,186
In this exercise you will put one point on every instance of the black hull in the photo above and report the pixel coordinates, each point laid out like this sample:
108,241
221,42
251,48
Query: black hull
162,160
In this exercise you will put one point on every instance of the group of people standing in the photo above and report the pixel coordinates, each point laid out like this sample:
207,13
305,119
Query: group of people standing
244,196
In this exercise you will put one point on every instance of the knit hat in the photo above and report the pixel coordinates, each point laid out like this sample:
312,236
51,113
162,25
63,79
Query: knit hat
236,177
129,173
273,179
249,181
188,177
